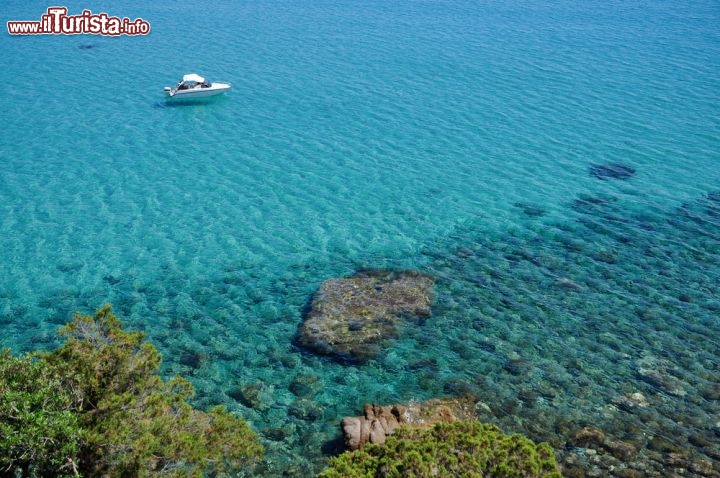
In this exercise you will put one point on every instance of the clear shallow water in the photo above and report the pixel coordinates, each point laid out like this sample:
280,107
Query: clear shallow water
379,135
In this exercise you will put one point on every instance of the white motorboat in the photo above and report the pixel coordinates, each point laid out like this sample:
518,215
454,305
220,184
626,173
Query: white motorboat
195,86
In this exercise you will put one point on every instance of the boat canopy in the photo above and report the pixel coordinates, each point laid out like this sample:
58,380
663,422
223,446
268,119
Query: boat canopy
193,77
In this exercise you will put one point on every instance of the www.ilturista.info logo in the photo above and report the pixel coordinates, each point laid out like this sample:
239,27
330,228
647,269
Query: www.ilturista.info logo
57,22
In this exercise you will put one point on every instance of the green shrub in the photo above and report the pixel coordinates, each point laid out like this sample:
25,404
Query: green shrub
39,426
112,415
463,449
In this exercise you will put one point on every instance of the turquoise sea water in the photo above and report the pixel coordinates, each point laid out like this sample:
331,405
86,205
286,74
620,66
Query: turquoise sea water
454,137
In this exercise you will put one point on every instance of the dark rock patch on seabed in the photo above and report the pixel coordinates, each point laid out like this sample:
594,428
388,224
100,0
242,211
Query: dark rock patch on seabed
588,203
612,171
530,210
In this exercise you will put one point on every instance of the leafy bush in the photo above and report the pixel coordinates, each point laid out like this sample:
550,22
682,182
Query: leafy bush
463,448
39,426
112,415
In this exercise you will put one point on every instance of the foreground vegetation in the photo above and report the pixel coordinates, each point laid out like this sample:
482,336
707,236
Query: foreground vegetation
464,448
97,407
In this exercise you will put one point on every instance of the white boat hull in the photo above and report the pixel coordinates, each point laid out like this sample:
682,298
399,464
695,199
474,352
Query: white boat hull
198,91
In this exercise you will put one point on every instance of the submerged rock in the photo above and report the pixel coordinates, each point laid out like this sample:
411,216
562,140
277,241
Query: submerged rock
607,257
254,395
517,365
711,392
567,284
662,381
305,385
612,171
380,421
589,437
307,410
701,440
588,202
276,434
530,210
631,401
352,317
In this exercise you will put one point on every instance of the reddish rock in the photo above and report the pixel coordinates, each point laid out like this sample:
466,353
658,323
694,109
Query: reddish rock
352,430
379,421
